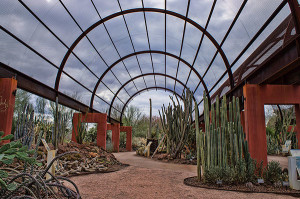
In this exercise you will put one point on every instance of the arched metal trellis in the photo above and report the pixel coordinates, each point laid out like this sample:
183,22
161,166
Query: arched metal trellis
144,52
146,89
139,76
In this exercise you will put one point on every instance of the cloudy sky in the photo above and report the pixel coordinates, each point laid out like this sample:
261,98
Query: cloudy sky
98,52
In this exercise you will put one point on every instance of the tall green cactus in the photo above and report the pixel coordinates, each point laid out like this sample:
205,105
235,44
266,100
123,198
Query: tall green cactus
177,123
25,126
223,143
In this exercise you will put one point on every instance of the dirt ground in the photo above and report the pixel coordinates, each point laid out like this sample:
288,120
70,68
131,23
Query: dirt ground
146,178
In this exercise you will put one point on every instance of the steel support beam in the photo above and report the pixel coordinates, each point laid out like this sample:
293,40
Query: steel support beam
36,87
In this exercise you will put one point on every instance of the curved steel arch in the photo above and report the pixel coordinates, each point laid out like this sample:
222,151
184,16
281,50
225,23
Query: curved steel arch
121,13
149,88
139,76
143,52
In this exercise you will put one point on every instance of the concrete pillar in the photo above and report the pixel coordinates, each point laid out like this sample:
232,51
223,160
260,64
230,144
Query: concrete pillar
116,136
297,112
8,87
255,123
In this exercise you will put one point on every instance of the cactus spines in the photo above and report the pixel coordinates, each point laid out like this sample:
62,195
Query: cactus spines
223,143
25,126
177,122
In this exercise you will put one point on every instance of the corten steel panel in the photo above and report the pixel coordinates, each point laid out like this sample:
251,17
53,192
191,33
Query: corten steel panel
8,87
256,96
99,118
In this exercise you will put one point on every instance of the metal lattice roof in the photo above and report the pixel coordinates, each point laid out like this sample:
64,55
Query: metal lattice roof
108,52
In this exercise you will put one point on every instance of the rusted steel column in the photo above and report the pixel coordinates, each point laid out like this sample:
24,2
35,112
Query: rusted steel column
101,129
116,136
297,112
8,87
74,126
128,130
255,122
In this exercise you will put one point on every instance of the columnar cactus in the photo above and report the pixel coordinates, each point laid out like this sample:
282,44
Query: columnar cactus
177,123
223,143
25,126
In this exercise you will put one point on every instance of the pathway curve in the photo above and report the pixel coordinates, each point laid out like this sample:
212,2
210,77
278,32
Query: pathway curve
146,178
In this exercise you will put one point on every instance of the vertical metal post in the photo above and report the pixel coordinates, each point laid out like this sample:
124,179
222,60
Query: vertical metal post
56,124
150,123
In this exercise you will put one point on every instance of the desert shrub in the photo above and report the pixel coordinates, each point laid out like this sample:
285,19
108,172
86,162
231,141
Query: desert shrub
240,172
213,174
138,142
91,135
228,175
122,140
273,172
250,171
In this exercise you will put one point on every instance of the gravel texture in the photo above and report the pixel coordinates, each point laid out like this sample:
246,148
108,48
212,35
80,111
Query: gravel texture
151,179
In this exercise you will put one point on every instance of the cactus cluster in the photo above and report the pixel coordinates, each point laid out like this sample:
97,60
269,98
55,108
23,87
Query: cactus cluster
177,123
25,126
223,143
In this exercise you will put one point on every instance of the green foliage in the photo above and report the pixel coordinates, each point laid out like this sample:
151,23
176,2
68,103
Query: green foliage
25,125
81,130
272,145
177,124
272,172
91,134
278,129
8,153
122,140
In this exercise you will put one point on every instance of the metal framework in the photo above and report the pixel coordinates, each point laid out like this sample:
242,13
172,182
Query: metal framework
280,63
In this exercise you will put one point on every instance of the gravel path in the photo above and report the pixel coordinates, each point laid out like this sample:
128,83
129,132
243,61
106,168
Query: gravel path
146,178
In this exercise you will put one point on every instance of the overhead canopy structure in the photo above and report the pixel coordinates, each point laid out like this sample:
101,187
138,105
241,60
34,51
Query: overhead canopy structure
97,55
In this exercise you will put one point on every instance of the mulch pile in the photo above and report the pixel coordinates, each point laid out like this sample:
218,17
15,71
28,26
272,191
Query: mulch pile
90,159
254,188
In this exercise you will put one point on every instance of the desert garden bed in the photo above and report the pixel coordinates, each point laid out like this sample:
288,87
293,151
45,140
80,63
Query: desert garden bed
163,157
253,188
90,159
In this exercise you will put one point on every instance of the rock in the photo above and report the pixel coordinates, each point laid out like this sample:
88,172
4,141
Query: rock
249,185
162,156
278,184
